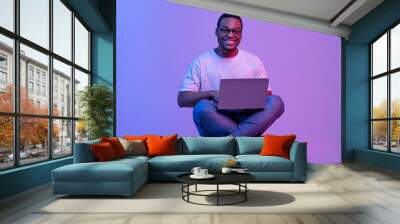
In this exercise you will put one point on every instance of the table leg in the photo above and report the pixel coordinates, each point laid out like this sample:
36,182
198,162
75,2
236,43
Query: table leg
245,193
195,188
182,190
217,194
188,190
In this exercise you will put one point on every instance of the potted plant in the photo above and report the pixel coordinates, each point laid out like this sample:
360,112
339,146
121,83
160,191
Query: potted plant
96,102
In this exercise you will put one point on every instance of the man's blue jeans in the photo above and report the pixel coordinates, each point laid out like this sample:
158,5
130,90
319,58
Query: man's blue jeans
213,122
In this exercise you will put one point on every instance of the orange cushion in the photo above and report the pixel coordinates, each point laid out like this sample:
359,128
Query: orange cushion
135,138
277,145
103,151
116,145
161,145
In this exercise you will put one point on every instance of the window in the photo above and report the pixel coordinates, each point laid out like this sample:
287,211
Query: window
55,95
38,74
33,149
30,87
43,90
30,72
34,21
3,61
3,72
81,45
6,74
62,74
38,89
6,142
62,29
44,131
395,47
385,94
3,78
81,81
7,14
62,137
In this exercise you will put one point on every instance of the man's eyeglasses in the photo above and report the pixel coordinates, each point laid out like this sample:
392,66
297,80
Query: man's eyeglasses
226,31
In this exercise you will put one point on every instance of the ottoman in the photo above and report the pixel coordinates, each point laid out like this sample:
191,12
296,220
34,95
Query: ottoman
118,177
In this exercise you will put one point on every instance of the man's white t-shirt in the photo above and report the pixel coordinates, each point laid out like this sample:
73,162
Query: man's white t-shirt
206,70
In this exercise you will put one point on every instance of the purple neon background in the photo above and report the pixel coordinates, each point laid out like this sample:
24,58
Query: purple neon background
156,41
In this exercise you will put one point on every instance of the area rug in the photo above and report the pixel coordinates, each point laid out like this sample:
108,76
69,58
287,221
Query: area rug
167,198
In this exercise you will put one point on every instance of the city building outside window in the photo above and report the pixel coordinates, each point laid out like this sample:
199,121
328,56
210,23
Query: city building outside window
56,129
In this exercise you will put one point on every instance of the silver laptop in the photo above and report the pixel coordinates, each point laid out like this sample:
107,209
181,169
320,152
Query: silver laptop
242,93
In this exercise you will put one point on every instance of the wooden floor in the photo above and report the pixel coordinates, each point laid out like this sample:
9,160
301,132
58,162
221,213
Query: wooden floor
377,188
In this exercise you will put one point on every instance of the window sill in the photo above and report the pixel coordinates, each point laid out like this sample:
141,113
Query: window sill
26,167
382,159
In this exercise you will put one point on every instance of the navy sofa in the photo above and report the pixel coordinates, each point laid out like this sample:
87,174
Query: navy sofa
125,176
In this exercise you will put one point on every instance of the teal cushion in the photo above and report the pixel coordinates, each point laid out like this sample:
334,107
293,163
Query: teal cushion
83,152
257,163
249,145
111,171
207,145
185,163
133,158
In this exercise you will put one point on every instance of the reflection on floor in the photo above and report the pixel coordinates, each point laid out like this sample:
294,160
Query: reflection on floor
376,188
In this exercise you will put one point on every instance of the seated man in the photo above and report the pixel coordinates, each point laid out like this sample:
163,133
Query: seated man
201,82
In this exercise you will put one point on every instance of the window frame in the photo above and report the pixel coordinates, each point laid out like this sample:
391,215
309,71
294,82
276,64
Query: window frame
388,74
3,77
16,114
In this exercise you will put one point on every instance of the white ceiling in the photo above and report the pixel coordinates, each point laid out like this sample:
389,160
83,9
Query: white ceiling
319,9
327,16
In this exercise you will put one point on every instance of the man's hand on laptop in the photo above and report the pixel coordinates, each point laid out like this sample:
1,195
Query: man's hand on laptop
269,92
214,95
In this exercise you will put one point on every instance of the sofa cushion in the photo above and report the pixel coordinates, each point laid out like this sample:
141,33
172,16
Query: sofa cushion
131,158
83,152
207,145
116,145
161,145
111,171
249,145
185,163
135,147
103,152
257,163
277,145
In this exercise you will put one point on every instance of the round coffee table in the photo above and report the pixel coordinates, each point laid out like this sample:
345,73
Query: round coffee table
238,179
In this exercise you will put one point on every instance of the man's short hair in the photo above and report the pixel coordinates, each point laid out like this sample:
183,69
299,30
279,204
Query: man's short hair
226,15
